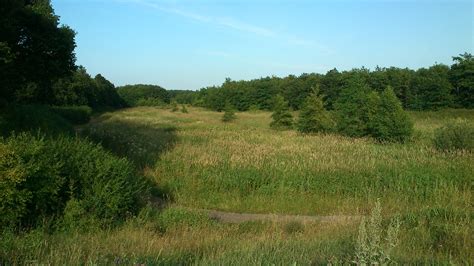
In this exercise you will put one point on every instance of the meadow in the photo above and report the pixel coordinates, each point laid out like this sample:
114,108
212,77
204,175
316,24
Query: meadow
196,162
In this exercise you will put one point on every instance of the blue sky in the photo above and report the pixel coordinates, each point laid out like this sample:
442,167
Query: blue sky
197,43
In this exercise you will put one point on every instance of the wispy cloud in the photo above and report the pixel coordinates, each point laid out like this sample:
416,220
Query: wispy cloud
238,25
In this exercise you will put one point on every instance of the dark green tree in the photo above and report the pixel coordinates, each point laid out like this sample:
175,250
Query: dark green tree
313,117
352,113
34,51
387,119
229,114
281,116
461,76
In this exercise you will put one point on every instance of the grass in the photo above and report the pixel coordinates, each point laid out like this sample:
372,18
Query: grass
244,166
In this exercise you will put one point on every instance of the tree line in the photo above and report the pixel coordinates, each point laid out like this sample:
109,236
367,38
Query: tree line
438,86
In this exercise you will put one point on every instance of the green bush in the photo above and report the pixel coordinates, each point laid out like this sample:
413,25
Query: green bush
39,177
229,114
32,118
74,114
313,117
150,102
455,136
132,94
352,109
387,119
281,116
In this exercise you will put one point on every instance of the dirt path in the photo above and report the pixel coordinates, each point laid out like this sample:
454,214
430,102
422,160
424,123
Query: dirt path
232,217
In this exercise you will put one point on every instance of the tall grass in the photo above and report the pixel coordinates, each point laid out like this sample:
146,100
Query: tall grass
247,167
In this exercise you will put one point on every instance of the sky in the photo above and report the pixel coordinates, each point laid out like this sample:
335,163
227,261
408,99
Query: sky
193,44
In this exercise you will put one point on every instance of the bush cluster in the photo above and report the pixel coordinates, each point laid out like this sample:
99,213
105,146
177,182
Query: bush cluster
74,114
454,136
43,179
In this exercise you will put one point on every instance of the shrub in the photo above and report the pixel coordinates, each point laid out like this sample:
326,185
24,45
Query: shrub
455,136
370,247
150,102
32,118
282,118
39,176
229,114
313,117
184,110
293,227
174,106
132,94
352,109
387,119
74,114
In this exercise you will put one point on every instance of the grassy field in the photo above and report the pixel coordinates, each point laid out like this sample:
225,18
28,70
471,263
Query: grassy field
197,161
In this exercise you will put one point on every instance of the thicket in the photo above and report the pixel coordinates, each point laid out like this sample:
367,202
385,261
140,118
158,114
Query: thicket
134,94
74,114
46,179
432,88
458,135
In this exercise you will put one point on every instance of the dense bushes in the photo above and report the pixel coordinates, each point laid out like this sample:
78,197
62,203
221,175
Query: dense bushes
74,114
41,176
20,118
135,94
455,136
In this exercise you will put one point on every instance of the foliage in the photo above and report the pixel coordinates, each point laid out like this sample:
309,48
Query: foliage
431,89
74,114
458,135
352,109
32,118
387,119
150,102
229,114
184,110
370,247
461,76
174,106
35,50
132,94
313,117
39,176
281,116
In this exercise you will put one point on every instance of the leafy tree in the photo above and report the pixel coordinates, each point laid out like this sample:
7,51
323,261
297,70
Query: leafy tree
229,114
352,108
461,76
313,117
184,110
133,93
282,118
34,51
388,121
431,88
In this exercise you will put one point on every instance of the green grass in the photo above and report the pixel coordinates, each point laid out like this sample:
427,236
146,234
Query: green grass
244,166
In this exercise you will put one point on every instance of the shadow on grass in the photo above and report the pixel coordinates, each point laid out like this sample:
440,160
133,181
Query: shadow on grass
142,144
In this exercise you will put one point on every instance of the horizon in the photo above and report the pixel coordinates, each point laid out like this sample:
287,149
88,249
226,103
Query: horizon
188,46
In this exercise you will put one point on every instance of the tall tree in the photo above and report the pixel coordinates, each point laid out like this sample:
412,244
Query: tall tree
461,76
34,50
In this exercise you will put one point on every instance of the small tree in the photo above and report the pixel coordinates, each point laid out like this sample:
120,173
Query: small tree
229,114
174,106
282,118
352,108
184,109
390,122
313,117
